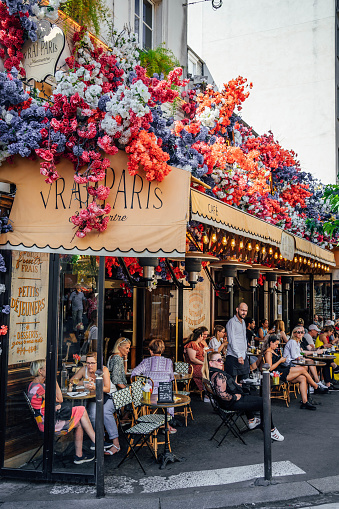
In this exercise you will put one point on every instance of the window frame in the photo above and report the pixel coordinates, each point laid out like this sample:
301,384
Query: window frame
142,23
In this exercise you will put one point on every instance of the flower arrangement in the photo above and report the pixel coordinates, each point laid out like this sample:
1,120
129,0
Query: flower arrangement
3,330
76,358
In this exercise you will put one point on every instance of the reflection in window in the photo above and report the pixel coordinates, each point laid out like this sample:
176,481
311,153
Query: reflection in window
143,22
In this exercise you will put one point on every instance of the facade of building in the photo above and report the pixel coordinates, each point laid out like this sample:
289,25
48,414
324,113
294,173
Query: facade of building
289,50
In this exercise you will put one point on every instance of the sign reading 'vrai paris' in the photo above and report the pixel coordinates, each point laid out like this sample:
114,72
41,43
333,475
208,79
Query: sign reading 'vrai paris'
41,57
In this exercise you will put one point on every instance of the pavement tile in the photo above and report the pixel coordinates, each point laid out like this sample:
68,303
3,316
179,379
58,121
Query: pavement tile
326,484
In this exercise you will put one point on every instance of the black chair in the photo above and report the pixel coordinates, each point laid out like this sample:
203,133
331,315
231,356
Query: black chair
138,434
31,409
229,418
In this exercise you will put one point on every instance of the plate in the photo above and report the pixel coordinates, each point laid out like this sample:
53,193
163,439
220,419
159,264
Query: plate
80,386
72,394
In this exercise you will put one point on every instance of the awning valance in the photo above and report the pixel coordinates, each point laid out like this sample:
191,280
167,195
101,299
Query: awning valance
147,218
212,211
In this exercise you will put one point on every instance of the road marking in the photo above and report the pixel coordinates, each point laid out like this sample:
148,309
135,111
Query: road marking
157,483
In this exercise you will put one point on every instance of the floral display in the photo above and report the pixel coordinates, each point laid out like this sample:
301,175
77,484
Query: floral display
104,101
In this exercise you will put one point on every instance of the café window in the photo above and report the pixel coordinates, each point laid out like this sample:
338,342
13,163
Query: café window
144,22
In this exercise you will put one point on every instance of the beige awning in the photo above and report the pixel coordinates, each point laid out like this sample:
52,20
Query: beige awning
147,218
212,211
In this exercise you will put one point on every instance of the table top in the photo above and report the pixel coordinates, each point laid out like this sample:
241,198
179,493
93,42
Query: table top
179,400
308,362
80,395
183,376
325,357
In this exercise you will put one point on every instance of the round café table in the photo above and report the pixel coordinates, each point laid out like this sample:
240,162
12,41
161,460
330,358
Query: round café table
178,400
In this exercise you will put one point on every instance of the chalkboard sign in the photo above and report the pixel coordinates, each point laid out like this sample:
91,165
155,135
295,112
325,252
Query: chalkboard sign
165,392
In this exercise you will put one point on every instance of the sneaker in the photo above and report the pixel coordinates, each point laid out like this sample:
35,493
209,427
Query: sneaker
311,390
307,406
85,458
336,370
92,447
321,390
275,435
254,423
333,388
207,399
320,384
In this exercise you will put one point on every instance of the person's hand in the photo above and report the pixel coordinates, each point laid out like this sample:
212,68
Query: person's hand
240,360
282,359
57,407
238,396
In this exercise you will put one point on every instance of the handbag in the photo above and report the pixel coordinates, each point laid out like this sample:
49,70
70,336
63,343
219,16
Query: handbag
65,412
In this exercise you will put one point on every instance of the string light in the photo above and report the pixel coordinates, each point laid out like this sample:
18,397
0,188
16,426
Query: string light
305,261
249,246
270,251
280,256
224,240
300,259
233,243
205,239
214,237
295,259
322,267
315,265
257,248
241,245
263,250
309,262
276,256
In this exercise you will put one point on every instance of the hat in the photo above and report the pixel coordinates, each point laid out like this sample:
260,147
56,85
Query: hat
314,327
329,322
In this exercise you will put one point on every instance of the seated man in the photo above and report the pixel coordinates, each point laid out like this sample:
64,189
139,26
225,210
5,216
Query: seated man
230,395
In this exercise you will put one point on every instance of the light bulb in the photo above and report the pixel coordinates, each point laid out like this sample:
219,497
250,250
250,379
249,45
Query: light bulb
257,247
280,256
233,243
276,256
224,241
249,246
214,237
241,245
322,267
305,261
295,259
263,250
270,251
315,265
205,239
309,262
300,259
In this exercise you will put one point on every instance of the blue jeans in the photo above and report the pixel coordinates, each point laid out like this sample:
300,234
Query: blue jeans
109,420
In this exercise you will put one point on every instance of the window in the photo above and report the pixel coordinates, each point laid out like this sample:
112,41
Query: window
195,65
143,22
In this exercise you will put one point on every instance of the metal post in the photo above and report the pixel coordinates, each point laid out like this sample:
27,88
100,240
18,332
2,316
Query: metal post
331,296
266,394
231,313
99,385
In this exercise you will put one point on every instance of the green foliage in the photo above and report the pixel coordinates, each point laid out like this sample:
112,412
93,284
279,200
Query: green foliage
89,13
160,60
331,198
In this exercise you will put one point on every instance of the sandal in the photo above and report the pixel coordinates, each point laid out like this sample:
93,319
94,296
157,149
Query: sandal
108,452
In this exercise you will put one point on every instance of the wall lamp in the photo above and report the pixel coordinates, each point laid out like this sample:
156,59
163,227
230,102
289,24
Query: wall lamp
193,265
148,265
253,276
272,279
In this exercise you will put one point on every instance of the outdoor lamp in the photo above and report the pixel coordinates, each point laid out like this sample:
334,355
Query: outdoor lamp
249,246
241,245
214,237
276,255
224,241
205,239
272,279
233,243
257,248
270,251
229,273
193,265
148,265
253,276
286,282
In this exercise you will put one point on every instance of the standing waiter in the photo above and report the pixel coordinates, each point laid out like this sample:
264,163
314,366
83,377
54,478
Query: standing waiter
236,359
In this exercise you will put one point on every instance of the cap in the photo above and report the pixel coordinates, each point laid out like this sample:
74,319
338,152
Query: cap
314,327
329,322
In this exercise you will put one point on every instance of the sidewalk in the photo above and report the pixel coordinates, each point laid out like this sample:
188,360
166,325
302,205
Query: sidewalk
305,468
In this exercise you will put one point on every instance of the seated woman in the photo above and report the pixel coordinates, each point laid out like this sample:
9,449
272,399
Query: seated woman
87,372
230,395
218,343
292,351
117,362
194,354
158,368
79,420
289,373
280,331
263,329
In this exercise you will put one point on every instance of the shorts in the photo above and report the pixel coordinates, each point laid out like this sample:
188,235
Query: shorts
234,368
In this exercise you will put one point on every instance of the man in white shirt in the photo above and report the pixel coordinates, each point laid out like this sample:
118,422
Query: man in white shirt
236,359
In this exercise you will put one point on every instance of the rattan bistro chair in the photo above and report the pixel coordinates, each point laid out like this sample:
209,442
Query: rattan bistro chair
136,435
229,418
281,391
183,368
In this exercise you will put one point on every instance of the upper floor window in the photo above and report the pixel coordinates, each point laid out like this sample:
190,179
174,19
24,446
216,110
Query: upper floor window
143,22
195,65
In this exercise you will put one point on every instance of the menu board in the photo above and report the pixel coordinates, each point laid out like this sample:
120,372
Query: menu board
165,392
29,303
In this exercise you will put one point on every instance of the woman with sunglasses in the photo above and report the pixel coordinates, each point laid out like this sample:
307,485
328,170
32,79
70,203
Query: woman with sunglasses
87,373
117,362
289,373
230,395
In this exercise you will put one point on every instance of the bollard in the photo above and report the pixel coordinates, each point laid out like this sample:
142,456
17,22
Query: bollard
99,434
266,394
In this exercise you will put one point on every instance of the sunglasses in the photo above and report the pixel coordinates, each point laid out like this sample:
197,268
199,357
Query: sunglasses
218,360
299,332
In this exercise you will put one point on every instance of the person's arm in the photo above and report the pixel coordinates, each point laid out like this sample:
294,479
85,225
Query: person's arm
261,333
140,369
79,374
58,394
283,336
219,382
222,346
107,380
192,354
268,360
